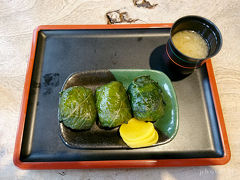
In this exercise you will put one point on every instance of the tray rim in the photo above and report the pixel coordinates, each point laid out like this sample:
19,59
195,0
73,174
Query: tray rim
114,163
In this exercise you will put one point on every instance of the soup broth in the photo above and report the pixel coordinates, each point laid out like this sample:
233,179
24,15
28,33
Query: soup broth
190,44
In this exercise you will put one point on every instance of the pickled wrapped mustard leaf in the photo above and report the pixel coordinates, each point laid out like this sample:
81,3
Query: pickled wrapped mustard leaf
112,105
77,108
146,99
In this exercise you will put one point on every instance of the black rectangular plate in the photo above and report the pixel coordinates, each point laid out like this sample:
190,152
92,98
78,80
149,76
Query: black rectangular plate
62,52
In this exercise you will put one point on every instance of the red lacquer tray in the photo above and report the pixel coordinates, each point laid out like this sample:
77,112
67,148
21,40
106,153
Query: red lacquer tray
58,50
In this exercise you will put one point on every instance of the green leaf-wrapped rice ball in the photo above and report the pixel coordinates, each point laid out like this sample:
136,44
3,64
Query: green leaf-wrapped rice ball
146,99
77,108
113,105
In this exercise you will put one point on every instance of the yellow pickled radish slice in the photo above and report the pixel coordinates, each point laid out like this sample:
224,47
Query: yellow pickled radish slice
136,130
143,143
138,134
139,144
145,140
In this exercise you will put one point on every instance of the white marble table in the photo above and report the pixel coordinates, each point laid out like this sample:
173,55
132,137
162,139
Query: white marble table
19,18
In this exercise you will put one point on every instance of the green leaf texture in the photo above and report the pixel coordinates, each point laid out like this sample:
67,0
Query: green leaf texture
113,105
146,99
77,108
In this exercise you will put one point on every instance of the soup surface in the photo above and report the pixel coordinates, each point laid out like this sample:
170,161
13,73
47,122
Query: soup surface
190,44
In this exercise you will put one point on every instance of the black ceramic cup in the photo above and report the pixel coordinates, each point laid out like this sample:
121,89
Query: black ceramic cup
185,64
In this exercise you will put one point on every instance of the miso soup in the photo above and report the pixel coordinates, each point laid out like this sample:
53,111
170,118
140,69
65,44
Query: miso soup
190,44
